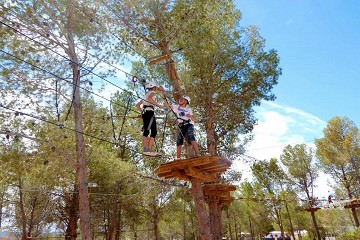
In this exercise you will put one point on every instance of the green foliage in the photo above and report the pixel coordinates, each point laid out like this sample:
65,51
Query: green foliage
301,167
355,235
339,153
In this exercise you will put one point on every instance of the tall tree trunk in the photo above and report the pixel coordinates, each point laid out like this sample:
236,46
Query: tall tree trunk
356,219
113,221
72,210
278,216
196,189
353,210
2,197
184,222
118,224
229,225
155,218
290,221
215,217
31,220
81,170
315,225
22,211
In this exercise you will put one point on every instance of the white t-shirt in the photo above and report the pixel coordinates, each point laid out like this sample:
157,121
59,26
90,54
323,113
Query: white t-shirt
146,102
182,112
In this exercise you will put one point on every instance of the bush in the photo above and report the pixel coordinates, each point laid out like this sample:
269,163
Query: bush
355,235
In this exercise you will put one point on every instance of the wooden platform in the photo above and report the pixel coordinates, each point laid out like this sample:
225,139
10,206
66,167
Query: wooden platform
354,203
204,168
221,192
312,209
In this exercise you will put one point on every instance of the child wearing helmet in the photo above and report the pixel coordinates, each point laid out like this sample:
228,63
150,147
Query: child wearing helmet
146,107
186,121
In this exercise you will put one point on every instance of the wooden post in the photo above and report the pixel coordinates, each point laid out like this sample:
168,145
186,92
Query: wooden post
199,170
200,207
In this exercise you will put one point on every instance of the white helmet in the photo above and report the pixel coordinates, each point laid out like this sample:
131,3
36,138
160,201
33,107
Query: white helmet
187,98
150,84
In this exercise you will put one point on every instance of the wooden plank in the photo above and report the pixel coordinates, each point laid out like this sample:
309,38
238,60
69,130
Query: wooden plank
314,209
158,59
181,164
226,201
180,175
221,187
196,173
204,168
217,193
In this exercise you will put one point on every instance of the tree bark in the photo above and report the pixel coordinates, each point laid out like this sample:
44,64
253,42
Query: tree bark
353,210
118,224
215,217
356,219
196,189
81,170
113,221
22,211
2,204
72,210
315,225
32,214
229,225
290,221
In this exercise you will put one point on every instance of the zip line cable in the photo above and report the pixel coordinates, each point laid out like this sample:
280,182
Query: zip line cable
75,85
61,78
112,122
86,69
66,58
125,90
61,125
88,53
129,25
56,101
124,118
64,127
73,96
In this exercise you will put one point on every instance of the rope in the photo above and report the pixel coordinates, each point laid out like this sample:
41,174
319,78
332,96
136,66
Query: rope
124,117
56,101
57,53
73,96
112,123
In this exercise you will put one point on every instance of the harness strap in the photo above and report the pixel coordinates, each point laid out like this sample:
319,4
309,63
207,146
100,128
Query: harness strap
148,106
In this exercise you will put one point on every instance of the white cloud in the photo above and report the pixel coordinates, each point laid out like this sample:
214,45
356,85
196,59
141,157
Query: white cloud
279,126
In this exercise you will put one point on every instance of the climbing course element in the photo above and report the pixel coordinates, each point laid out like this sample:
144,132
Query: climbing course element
203,168
220,192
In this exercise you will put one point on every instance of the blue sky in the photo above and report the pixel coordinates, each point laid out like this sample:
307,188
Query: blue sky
318,43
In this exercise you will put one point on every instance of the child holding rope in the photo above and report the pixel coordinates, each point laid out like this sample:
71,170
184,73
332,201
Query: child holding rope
149,120
186,120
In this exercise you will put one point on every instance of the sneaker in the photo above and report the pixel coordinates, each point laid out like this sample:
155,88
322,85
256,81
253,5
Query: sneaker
151,154
147,153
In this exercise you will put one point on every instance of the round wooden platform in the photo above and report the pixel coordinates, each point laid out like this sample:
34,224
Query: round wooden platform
204,168
220,192
354,203
312,209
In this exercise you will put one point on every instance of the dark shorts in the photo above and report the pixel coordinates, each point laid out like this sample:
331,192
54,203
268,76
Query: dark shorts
185,131
149,124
